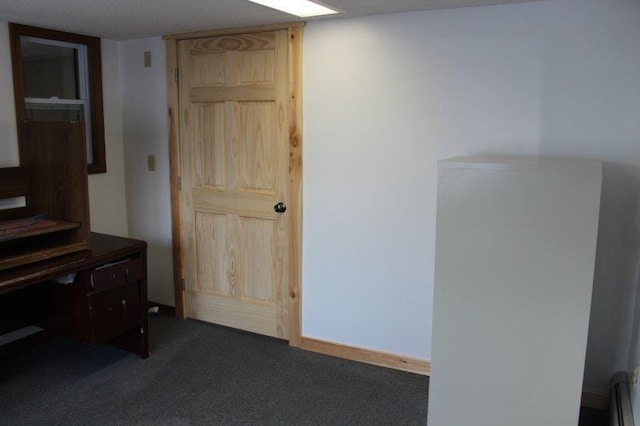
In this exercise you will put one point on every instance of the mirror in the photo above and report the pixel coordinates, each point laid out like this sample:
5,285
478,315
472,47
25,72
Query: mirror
57,77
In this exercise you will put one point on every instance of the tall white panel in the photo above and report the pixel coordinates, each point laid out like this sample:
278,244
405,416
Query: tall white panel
515,251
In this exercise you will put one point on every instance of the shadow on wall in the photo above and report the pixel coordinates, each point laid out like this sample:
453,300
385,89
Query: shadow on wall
616,272
159,270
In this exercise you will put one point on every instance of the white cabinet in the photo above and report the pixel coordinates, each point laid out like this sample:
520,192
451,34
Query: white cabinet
515,251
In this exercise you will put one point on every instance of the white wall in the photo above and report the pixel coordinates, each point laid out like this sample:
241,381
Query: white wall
8,130
591,104
144,112
106,191
107,200
386,96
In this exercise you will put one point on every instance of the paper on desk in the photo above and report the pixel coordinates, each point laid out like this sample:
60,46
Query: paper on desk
65,279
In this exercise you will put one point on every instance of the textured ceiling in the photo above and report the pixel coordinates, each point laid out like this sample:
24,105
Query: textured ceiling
128,19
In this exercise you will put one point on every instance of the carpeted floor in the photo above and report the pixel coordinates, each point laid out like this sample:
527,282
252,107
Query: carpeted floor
202,374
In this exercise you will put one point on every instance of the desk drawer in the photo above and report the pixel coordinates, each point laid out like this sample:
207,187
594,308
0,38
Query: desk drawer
115,311
116,274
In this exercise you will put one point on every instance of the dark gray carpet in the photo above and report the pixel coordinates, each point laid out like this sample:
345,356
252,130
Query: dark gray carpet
202,374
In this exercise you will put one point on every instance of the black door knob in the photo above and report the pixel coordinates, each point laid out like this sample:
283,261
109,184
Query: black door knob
280,207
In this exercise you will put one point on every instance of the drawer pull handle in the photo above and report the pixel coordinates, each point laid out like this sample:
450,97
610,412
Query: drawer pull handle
127,276
124,308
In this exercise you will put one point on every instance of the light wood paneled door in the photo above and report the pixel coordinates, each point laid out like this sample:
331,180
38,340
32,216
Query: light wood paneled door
235,134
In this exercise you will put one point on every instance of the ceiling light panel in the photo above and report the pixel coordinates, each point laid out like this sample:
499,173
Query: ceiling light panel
301,8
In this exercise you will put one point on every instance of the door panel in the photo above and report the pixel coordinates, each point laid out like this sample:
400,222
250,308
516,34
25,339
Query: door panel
211,246
258,259
256,67
209,159
207,70
258,147
235,134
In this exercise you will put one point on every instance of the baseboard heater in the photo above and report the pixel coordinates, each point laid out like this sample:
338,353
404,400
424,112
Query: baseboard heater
620,405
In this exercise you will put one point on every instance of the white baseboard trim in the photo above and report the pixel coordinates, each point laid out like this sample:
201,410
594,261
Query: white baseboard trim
383,359
595,399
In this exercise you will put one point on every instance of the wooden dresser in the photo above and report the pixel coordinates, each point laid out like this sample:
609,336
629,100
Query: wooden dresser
97,295
54,273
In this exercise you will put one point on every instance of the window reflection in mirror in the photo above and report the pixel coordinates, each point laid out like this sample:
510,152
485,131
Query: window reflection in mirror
57,77
55,82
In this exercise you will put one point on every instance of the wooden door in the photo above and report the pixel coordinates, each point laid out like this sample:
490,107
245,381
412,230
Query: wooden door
234,133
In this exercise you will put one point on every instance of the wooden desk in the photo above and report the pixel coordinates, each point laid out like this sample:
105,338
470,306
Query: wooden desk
107,300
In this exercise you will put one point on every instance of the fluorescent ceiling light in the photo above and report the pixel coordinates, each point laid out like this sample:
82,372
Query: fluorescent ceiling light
301,8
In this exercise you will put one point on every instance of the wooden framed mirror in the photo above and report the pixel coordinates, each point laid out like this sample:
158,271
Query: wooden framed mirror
57,76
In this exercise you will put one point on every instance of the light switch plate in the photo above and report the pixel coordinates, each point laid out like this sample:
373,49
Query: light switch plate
151,163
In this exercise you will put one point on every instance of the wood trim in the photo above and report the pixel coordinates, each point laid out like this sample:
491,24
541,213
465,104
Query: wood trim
595,399
94,68
368,356
231,31
174,173
295,186
94,63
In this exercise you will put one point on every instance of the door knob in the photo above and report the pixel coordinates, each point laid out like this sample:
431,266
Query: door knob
280,207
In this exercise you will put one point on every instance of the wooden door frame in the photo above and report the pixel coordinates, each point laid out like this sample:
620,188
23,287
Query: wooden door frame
294,203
